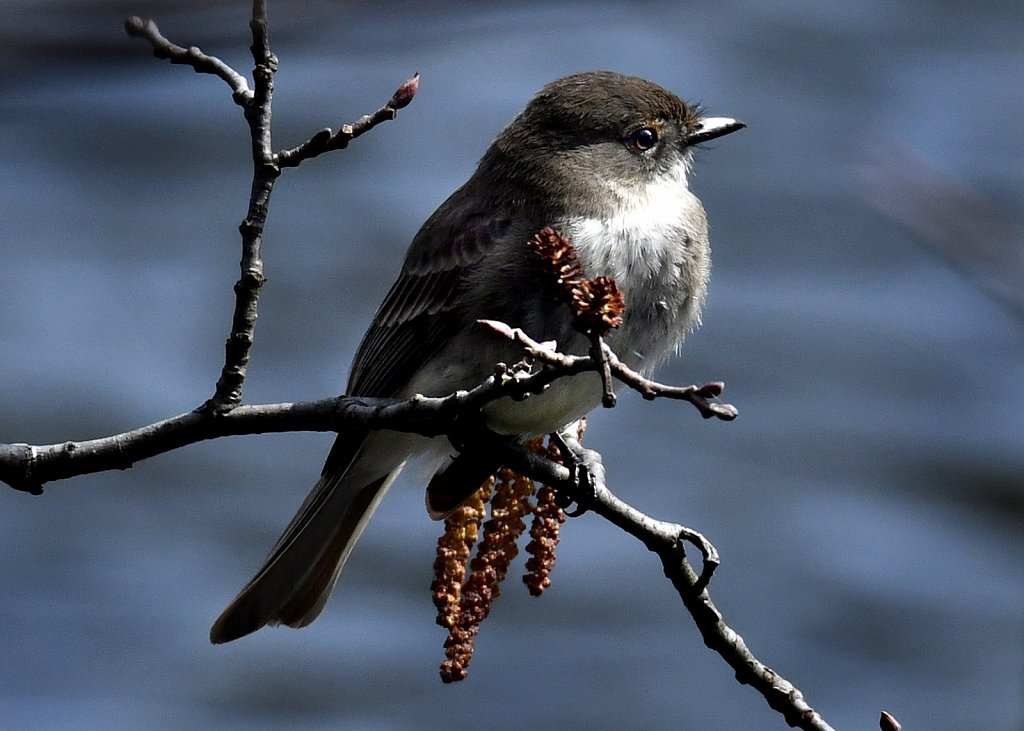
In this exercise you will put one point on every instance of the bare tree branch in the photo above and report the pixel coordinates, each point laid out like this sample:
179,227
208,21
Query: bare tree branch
326,140
28,467
599,354
458,416
136,27
257,107
238,346
667,540
700,396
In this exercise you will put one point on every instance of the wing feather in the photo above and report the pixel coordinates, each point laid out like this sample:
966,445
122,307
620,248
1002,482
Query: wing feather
421,311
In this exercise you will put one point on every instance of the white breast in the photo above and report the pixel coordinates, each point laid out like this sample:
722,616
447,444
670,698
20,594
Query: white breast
655,247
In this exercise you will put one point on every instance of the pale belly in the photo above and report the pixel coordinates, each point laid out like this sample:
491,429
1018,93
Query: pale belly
565,401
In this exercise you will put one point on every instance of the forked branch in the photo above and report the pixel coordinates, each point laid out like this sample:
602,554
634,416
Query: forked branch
30,467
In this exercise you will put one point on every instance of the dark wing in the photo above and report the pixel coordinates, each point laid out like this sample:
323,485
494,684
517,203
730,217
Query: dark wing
419,314
415,319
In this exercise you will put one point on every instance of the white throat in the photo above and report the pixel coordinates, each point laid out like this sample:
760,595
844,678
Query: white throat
645,232
655,246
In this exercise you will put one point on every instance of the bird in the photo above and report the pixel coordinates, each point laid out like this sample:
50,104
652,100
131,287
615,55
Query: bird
601,157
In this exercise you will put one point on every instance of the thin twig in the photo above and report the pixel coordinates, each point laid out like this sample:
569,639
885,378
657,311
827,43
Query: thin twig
257,106
136,27
257,109
326,140
700,396
238,346
599,354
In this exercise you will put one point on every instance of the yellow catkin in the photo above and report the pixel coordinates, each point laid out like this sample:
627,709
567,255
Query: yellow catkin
461,530
544,534
463,602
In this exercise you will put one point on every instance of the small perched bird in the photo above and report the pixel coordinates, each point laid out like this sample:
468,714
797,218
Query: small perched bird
601,157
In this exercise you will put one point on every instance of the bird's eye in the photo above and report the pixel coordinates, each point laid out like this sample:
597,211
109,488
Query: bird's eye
643,139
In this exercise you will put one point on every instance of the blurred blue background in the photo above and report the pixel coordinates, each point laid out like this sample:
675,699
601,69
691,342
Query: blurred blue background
868,504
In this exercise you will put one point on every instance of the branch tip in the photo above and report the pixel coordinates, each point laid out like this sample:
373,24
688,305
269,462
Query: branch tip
888,722
405,93
134,26
499,327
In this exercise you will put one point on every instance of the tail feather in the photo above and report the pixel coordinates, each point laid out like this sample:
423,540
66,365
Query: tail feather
297,578
309,598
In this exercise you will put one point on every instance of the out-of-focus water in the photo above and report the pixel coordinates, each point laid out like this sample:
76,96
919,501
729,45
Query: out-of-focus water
869,502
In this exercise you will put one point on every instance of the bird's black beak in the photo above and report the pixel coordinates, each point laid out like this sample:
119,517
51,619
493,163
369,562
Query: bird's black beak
712,127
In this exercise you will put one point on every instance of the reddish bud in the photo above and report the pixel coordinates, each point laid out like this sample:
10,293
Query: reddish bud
888,723
405,92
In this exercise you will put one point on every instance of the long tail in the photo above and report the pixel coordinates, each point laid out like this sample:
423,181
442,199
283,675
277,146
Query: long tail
297,578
